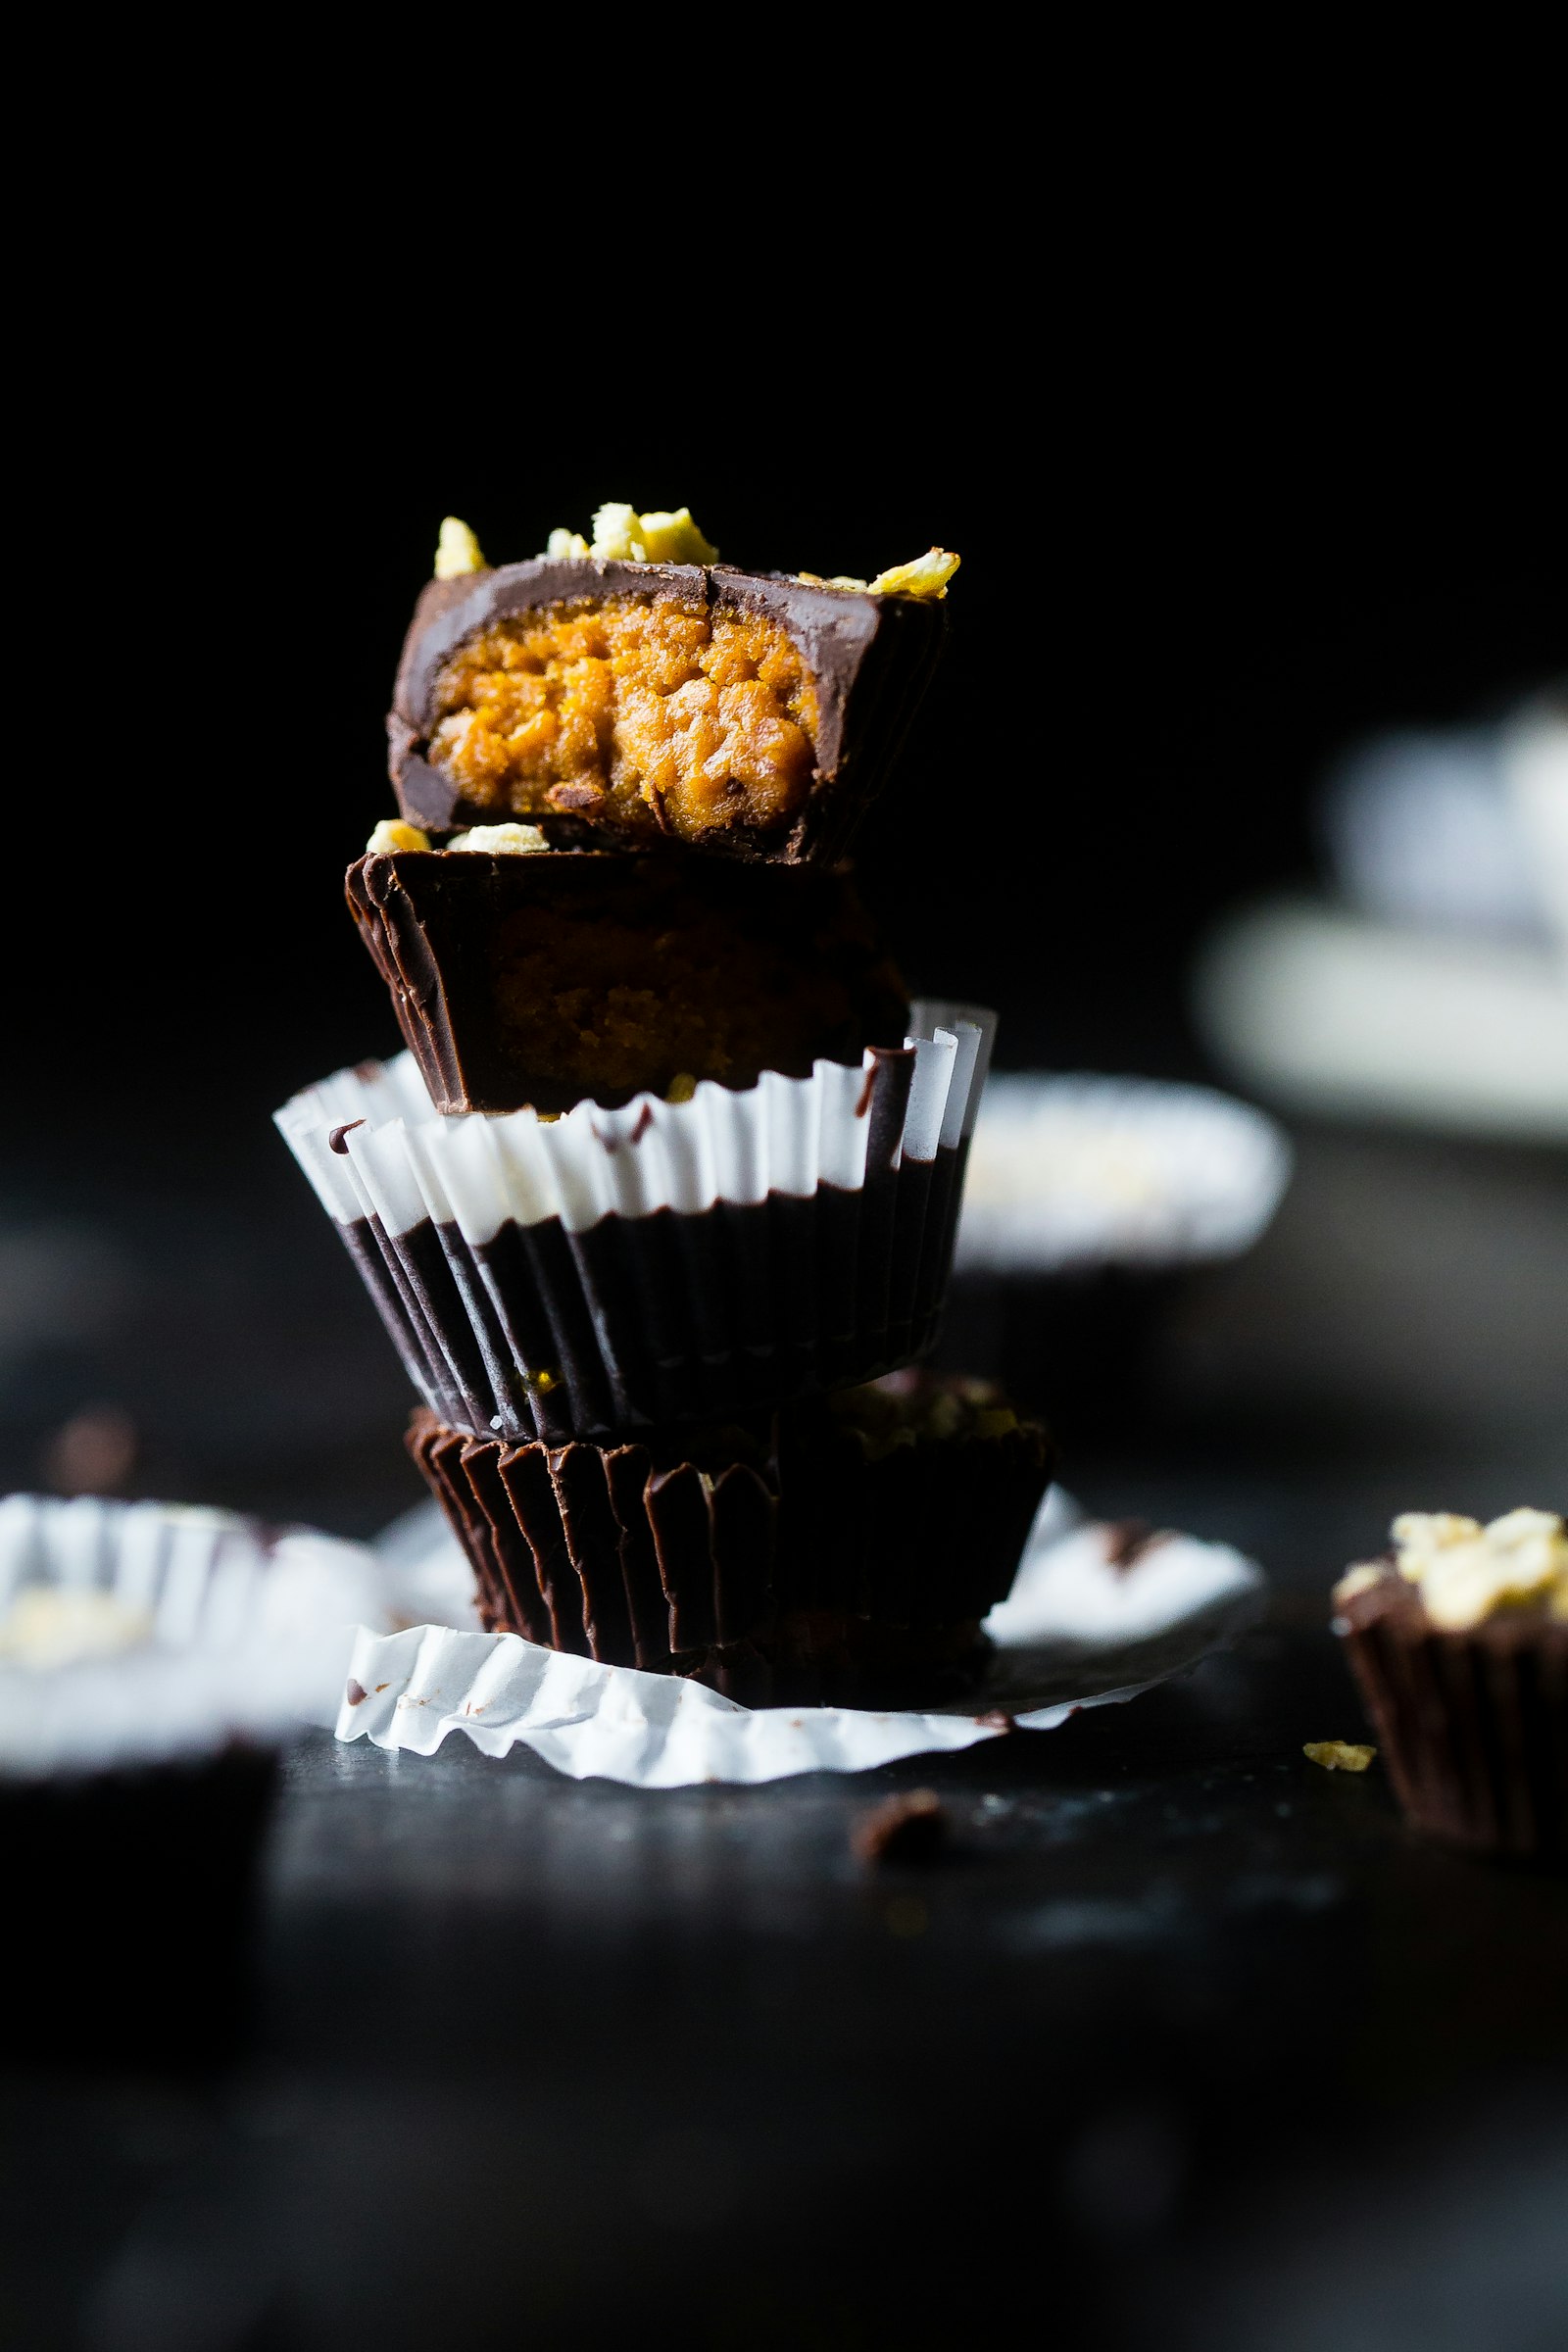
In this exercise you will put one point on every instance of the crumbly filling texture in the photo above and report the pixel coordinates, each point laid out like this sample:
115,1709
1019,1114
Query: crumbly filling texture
666,717
706,1003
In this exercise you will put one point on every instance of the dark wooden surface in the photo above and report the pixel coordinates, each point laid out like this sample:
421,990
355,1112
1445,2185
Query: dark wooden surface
1185,2042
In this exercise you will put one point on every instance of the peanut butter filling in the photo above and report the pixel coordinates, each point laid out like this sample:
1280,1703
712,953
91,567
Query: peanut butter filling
707,1003
667,716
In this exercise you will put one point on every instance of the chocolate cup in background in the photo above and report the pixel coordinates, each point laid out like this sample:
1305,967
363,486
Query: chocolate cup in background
870,658
163,1859
1095,1208
137,1772
1472,1724
549,1322
1079,1347
795,953
781,1567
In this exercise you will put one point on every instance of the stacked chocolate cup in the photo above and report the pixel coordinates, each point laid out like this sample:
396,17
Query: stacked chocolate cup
671,1168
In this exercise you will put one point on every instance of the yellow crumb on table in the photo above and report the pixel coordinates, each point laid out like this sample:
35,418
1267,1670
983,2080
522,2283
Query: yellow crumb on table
1339,1755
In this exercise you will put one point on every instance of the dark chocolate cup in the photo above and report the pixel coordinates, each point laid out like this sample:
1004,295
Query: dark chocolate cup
1472,1724
785,1566
797,948
553,1326
870,658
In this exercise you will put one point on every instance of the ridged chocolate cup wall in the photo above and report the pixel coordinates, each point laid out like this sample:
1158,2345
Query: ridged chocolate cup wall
801,1572
439,927
1472,1724
871,658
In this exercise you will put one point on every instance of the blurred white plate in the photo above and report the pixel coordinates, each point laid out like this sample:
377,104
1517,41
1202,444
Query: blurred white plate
1075,1172
1330,1012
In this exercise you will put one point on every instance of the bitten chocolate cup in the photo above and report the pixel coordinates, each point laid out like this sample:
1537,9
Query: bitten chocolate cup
746,714
616,1270
550,979
835,1553
1472,1723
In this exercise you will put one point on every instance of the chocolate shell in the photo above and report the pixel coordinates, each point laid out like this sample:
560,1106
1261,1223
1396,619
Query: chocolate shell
782,1561
560,977
870,659
621,1270
1472,1723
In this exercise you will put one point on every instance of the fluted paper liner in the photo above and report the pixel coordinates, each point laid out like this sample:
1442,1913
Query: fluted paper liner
665,1262
820,1571
1472,1724
248,1630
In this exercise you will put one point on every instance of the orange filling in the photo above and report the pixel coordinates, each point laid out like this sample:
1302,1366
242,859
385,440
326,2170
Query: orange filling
605,1007
662,717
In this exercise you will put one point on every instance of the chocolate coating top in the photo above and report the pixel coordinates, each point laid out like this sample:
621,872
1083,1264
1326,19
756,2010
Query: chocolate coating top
870,658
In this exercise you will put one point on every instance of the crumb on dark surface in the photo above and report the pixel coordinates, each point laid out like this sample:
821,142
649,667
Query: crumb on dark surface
912,1828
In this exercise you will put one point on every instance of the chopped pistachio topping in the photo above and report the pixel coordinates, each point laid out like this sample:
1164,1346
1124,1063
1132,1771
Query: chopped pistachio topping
682,1087
675,539
623,535
456,550
1466,1572
927,576
995,1422
1358,1580
392,835
1339,1755
500,841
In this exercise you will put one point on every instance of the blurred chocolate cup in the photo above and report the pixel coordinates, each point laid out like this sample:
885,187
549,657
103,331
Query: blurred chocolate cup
1472,1721
1092,1206
154,1660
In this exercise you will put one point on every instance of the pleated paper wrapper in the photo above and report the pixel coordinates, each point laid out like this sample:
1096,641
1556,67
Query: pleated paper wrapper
246,1632
665,1262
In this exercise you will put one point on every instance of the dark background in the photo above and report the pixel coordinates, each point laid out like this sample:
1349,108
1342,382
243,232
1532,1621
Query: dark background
1209,536
1188,2037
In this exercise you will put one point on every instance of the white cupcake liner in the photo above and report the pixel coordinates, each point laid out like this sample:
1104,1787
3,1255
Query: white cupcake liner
253,1635
662,1262
1078,1631
248,1633
1075,1174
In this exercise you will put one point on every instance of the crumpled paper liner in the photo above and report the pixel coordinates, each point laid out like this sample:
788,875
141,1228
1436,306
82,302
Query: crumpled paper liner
1077,1631
249,1629
612,1270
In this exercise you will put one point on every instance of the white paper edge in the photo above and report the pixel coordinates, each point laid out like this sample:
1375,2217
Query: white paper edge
652,1731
